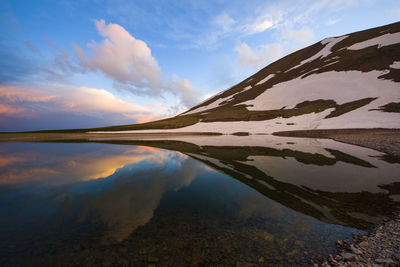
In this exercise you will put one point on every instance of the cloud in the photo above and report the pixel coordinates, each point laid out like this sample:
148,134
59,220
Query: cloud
331,22
130,63
62,64
258,58
224,21
18,94
37,103
122,57
185,91
302,36
8,110
227,25
17,102
33,48
262,23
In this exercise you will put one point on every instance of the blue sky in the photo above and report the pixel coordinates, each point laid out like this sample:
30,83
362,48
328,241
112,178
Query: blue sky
68,64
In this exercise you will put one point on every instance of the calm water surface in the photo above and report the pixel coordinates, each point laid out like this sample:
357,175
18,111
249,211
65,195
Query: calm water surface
267,201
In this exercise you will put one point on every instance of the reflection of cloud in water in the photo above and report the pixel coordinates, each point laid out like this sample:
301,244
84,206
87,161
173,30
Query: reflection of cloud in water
35,163
10,160
135,179
128,198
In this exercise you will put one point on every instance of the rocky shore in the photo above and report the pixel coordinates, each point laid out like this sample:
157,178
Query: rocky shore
379,248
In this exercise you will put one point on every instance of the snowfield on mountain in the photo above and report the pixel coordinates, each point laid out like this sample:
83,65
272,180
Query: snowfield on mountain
350,81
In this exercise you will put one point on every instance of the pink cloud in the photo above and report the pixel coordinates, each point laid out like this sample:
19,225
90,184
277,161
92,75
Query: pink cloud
18,101
33,48
15,94
148,117
12,111
130,63
122,57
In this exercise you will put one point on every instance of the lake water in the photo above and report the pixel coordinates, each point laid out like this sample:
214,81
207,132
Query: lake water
215,200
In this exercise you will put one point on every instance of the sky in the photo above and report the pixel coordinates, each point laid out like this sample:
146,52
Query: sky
78,64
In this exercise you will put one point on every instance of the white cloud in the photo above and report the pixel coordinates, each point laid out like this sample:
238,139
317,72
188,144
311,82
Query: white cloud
130,63
302,36
262,23
224,21
258,58
260,26
331,22
185,91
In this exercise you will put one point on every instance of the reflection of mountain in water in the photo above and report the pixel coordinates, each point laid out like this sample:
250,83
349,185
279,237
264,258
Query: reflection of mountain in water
66,202
331,181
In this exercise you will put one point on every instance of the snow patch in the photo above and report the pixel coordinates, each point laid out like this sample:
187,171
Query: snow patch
324,52
265,79
395,65
331,63
214,104
217,102
303,73
246,88
383,40
332,58
341,87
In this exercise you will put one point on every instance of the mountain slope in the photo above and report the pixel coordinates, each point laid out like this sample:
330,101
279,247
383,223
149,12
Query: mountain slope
350,81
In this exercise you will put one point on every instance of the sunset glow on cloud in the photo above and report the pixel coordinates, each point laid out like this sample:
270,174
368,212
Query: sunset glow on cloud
24,102
129,62
122,58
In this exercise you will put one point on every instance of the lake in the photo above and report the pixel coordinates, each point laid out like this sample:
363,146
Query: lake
218,200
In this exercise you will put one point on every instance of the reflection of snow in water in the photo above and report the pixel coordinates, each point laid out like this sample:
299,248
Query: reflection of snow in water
339,177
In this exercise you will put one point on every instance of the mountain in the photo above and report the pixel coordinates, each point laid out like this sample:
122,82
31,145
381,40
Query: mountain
349,81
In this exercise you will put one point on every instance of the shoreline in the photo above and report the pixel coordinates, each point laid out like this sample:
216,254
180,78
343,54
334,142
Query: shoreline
381,139
88,137
365,137
380,247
